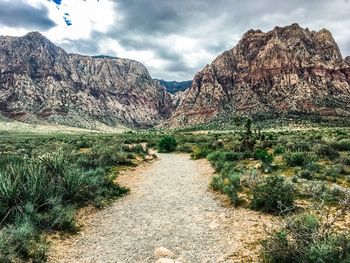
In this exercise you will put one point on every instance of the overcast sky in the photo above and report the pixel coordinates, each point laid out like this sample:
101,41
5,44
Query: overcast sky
173,38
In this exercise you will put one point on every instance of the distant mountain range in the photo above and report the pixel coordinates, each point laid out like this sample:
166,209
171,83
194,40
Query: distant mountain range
175,86
288,70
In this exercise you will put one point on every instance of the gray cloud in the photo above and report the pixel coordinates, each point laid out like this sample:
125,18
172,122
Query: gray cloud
214,26
218,25
20,14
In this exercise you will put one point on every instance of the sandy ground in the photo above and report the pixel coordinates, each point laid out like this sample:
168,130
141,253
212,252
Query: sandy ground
169,206
21,127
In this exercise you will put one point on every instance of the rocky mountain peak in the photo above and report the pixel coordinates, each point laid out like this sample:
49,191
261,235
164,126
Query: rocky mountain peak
286,70
40,81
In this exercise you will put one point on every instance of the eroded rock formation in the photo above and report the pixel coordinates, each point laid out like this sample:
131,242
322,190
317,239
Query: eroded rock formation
39,81
286,70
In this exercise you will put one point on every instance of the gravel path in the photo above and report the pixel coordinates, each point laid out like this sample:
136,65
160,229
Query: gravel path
169,206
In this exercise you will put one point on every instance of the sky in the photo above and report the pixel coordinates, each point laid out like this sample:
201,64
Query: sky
174,39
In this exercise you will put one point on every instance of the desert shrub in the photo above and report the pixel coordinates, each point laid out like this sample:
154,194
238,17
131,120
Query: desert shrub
265,157
139,149
214,156
273,195
299,158
224,156
327,151
313,167
167,144
185,148
223,161
330,249
280,149
104,156
303,239
231,156
333,172
228,185
306,174
298,146
232,185
342,145
22,243
200,152
83,143
346,160
217,182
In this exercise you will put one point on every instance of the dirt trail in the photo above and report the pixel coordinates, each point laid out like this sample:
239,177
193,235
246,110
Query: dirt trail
169,206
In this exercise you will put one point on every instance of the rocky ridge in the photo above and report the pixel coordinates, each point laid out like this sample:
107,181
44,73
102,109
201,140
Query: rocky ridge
286,70
41,82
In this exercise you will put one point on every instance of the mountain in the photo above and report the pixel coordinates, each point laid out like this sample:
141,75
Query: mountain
175,86
347,60
288,70
41,82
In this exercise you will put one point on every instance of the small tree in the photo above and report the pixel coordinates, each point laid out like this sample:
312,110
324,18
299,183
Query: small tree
167,144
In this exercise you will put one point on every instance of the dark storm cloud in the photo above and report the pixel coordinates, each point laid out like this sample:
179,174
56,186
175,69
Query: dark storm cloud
185,35
218,25
20,14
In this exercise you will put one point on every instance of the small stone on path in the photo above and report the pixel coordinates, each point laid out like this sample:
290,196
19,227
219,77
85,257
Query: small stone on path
163,252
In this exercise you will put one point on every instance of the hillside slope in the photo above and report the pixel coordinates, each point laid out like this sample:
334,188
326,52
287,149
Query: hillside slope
40,81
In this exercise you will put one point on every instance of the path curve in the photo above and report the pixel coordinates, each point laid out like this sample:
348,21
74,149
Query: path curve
169,206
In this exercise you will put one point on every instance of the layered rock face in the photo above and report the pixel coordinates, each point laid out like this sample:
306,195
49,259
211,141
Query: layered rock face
286,70
39,81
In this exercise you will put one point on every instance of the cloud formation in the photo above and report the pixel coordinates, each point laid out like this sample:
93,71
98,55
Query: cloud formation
175,39
19,14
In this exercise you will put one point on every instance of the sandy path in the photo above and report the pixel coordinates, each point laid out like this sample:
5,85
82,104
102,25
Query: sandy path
169,206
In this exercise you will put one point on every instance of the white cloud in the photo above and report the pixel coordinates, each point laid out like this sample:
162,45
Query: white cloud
86,16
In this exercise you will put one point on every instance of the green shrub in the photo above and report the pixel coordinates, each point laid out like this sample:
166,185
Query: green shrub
328,152
231,156
299,158
224,156
305,239
227,184
214,156
200,152
298,146
167,144
185,148
217,182
22,243
306,174
313,167
342,145
329,249
231,187
280,149
263,155
273,195
333,172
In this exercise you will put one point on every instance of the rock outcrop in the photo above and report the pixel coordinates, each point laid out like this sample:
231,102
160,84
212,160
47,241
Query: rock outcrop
286,70
40,81
347,60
